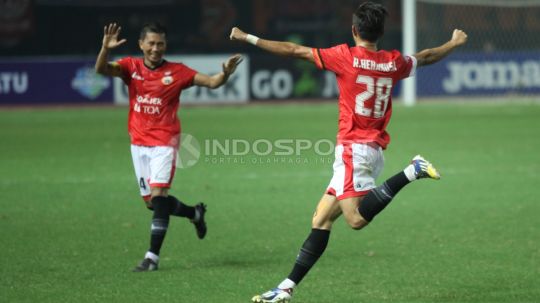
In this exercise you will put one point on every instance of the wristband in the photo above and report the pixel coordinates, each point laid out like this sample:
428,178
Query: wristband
252,39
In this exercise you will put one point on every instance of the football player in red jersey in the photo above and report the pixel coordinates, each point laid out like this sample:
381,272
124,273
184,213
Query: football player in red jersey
365,76
154,86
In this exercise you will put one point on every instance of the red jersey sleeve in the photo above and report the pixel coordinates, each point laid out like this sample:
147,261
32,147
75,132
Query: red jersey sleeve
406,66
188,75
332,59
126,64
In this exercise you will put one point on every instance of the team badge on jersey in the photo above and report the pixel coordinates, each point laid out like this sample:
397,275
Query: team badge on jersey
167,80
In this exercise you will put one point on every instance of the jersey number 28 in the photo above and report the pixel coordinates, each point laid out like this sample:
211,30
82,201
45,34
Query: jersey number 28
382,90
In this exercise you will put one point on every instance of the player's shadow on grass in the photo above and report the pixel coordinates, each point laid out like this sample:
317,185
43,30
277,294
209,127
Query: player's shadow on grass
223,263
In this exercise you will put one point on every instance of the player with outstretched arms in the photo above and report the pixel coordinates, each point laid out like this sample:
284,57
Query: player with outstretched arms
365,77
154,86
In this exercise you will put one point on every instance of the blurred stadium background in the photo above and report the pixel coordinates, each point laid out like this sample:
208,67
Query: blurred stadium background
44,41
72,224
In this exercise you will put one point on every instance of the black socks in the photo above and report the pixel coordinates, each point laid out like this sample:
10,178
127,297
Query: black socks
377,199
310,252
179,209
160,223
397,182
163,207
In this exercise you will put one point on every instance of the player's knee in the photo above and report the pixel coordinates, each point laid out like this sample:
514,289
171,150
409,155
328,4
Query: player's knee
327,225
148,202
159,192
357,223
319,222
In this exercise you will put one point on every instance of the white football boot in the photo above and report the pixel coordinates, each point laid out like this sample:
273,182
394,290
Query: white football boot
424,169
275,295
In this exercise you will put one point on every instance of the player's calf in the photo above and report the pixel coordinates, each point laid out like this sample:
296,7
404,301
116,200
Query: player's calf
378,198
179,209
195,214
160,223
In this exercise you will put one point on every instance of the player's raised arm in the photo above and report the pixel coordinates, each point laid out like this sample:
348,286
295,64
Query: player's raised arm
110,41
219,79
287,49
432,55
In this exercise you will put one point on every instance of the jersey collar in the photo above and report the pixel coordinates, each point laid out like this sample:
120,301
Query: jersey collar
158,66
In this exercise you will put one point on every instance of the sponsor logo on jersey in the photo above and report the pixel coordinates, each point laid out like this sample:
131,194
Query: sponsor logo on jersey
167,80
147,105
148,100
136,76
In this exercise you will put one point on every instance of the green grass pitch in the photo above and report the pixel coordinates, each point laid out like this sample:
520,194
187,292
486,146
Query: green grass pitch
72,224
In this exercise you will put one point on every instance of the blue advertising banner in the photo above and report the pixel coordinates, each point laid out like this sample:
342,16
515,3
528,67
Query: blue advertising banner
479,73
53,82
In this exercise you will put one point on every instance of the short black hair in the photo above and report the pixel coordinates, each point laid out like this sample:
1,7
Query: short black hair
368,19
152,27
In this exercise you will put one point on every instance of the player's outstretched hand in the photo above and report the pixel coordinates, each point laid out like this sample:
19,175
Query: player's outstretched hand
110,36
230,65
237,34
459,37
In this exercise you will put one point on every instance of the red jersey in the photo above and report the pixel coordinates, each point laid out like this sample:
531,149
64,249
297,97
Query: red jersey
365,79
154,97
